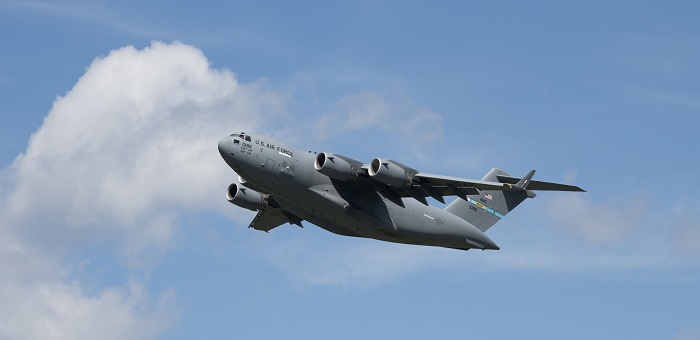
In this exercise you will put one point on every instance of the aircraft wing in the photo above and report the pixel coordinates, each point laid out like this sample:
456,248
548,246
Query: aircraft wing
270,218
540,185
436,186
506,183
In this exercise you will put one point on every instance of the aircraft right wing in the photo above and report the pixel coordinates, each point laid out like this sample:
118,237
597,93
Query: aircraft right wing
505,183
420,185
396,181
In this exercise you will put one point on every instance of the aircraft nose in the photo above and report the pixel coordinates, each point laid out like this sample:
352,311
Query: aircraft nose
225,146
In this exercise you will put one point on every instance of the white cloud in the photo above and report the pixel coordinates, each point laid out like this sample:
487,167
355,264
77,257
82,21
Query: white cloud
117,160
602,222
59,310
131,143
683,227
371,110
688,334
92,12
365,110
689,238
668,233
363,263
424,123
570,260
607,238
355,262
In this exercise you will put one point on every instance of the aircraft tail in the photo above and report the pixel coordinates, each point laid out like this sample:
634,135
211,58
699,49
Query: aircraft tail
483,210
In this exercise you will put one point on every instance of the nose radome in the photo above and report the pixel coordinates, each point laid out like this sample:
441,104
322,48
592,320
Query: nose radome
225,146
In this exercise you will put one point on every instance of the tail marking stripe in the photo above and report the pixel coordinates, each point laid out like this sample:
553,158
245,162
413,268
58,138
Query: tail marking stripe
485,208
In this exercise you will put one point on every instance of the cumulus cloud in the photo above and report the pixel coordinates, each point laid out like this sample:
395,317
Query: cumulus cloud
117,160
131,143
60,310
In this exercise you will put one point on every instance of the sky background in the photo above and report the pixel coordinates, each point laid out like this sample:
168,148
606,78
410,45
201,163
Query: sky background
113,222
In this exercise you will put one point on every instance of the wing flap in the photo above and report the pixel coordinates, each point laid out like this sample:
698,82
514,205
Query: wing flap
271,218
460,183
540,185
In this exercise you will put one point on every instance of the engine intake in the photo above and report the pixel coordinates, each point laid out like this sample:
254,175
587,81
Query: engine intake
245,198
335,166
390,173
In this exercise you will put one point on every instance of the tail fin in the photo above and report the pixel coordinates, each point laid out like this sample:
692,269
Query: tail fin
488,207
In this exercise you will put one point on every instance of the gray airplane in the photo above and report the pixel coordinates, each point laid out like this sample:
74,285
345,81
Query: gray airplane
384,200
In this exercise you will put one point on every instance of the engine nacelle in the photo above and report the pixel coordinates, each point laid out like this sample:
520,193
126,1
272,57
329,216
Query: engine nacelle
245,198
389,173
335,167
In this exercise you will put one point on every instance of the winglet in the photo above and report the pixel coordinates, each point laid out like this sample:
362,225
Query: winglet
523,183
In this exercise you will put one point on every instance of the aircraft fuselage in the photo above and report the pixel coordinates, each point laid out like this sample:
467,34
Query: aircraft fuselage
352,208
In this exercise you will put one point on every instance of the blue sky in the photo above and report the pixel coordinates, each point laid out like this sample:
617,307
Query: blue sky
113,222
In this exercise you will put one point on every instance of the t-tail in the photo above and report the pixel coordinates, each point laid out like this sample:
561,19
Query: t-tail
487,207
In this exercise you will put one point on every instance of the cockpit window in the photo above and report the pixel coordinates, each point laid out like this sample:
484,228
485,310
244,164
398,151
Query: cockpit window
243,136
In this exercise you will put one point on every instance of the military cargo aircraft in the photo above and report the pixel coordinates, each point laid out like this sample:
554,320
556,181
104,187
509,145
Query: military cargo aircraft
383,200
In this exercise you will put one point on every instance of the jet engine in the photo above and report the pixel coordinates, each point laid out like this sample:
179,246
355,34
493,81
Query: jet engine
245,198
390,173
335,166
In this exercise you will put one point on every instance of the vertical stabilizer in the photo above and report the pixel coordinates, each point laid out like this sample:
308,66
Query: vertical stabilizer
489,206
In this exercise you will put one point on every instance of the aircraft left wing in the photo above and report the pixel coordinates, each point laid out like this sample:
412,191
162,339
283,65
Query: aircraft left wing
270,218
